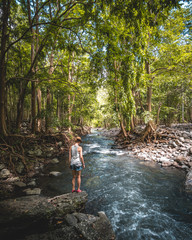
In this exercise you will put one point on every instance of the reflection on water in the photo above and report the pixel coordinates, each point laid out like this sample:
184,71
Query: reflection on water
142,200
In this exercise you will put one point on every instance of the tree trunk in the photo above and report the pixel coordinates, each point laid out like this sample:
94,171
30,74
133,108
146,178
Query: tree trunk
116,66
59,108
149,88
70,79
5,16
158,113
33,88
39,123
49,97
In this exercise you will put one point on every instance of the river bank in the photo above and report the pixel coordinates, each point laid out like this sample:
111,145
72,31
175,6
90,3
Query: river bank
23,158
173,150
29,215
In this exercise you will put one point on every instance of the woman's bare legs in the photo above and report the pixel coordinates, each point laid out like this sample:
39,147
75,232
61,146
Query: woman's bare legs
78,180
73,179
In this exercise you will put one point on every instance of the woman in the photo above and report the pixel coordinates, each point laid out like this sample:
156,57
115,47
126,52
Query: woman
76,162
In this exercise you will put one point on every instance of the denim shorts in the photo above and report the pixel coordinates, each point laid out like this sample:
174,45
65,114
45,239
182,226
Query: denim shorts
76,168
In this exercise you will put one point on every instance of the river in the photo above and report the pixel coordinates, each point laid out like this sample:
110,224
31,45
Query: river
142,200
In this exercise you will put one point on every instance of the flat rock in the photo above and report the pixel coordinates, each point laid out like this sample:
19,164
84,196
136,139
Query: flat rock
35,191
36,209
164,160
32,183
54,160
55,174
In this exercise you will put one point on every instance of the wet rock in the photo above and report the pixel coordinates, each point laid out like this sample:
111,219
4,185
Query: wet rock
55,174
184,167
35,191
93,182
167,164
54,160
5,173
188,182
175,164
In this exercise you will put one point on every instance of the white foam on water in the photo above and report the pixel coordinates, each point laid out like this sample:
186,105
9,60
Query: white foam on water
95,145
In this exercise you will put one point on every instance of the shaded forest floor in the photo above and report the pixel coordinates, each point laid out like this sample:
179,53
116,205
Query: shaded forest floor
24,156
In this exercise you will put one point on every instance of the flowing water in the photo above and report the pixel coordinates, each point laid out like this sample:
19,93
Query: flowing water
142,201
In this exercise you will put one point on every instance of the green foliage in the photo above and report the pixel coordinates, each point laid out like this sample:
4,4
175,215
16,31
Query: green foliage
99,54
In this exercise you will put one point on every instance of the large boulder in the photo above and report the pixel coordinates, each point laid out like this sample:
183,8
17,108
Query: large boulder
79,226
55,218
24,212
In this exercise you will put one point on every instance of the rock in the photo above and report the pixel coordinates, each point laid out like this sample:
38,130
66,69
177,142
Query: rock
5,173
54,160
38,152
183,149
184,167
2,165
30,152
188,182
164,160
35,191
20,184
179,143
189,164
55,174
166,164
30,212
49,155
20,167
180,159
190,151
32,183
80,226
182,139
186,135
59,144
175,164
